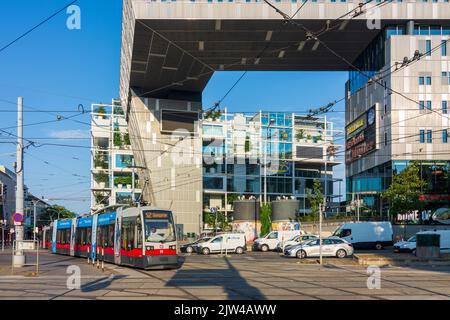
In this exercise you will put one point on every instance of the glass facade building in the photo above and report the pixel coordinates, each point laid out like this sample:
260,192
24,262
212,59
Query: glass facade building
294,147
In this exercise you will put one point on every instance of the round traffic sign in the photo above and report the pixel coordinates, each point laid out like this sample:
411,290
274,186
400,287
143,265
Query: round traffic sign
18,217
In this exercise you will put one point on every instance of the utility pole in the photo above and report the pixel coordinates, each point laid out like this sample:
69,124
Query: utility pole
320,232
19,258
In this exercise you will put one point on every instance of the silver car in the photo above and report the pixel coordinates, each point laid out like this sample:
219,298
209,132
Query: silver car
298,239
331,247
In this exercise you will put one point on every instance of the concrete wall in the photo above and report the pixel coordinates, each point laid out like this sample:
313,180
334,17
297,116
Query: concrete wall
173,176
284,210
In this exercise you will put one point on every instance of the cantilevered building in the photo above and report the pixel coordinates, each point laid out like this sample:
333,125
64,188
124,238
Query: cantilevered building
170,49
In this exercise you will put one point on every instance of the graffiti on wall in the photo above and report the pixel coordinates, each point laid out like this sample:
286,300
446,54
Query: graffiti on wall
248,228
285,226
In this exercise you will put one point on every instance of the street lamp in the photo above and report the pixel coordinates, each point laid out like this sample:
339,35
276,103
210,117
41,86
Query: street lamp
271,121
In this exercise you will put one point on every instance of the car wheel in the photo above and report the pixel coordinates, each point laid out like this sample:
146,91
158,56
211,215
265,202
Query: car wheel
341,253
189,249
205,251
239,250
378,246
301,254
264,248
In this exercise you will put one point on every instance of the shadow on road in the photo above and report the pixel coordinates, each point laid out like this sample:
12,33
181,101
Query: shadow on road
100,284
233,284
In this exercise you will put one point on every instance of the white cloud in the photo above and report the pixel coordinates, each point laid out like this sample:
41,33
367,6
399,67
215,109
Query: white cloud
69,134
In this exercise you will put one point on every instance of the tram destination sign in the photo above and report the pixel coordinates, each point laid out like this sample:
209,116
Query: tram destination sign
156,215
361,137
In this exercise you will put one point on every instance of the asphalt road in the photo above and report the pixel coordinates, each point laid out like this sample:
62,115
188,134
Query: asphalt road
254,275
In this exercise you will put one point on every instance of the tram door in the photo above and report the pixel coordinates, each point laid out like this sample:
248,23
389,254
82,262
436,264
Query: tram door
117,238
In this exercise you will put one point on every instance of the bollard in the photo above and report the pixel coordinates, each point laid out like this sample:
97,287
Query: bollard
98,260
88,254
103,259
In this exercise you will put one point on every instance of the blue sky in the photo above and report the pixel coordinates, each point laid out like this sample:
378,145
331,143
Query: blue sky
56,69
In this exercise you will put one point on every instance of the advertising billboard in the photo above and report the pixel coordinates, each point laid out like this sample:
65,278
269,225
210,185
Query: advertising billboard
361,136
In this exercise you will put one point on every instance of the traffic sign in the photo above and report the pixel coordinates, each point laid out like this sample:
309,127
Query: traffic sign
18,217
213,209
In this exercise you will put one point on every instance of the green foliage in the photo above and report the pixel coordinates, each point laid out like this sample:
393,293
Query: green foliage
118,142
123,180
101,177
315,198
265,217
232,197
99,161
213,114
101,198
403,193
300,134
222,222
247,145
54,212
126,139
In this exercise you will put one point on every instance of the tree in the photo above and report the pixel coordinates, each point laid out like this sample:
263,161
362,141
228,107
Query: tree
265,217
404,191
55,212
315,198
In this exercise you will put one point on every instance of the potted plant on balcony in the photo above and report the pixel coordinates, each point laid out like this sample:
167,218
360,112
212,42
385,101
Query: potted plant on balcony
101,111
101,178
99,161
118,142
300,135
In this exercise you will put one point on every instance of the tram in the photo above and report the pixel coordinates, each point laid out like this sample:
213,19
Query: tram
142,237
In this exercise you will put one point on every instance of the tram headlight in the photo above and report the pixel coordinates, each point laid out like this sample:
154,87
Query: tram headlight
173,247
150,248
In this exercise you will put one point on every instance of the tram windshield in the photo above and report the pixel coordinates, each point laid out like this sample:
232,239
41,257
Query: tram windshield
159,226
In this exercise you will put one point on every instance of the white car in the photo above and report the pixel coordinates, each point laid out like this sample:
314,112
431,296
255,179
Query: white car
298,239
331,247
406,246
271,240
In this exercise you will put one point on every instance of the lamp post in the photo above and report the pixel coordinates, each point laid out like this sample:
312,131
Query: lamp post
271,121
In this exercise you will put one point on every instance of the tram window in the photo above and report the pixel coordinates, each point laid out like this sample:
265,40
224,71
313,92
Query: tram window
110,236
138,234
100,236
128,235
88,236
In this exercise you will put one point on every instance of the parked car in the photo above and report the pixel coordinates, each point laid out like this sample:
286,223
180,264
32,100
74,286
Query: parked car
410,244
366,235
298,239
191,247
331,247
230,242
271,240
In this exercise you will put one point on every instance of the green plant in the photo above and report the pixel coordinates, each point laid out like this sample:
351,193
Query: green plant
101,177
300,134
126,139
118,110
315,198
102,111
123,180
265,217
99,160
232,197
308,137
118,142
247,145
100,198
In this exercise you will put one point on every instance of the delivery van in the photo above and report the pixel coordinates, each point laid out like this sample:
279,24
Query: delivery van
366,235
226,242
270,241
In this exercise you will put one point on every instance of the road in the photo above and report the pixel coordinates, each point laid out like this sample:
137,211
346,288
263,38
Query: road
254,275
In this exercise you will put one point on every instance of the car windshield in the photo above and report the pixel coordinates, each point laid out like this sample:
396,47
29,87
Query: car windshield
159,227
202,240
412,239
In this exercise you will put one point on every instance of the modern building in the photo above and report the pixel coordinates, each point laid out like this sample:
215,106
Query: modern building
8,202
294,147
402,115
113,173
170,50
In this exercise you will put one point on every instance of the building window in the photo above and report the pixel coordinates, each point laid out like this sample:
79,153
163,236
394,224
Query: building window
421,105
429,136
444,107
429,105
445,78
385,138
444,48
422,136
421,81
428,47
428,81
444,136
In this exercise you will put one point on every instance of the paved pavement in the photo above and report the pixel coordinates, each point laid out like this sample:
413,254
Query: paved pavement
254,275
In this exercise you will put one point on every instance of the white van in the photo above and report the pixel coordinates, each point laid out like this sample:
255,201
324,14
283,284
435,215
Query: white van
271,240
366,235
410,244
226,242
